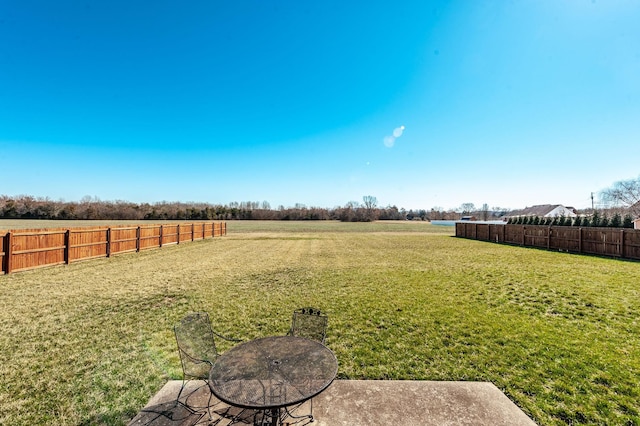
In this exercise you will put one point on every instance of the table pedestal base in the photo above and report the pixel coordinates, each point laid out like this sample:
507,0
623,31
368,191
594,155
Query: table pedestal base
277,417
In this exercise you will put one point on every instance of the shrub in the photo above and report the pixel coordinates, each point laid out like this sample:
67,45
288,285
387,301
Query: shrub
616,221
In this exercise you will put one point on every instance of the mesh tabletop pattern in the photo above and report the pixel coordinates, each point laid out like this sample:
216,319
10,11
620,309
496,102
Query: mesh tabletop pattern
273,372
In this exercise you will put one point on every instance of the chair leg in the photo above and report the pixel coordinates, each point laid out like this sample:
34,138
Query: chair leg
184,384
289,413
209,405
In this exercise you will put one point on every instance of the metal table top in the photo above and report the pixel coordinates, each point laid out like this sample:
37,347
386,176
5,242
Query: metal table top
272,372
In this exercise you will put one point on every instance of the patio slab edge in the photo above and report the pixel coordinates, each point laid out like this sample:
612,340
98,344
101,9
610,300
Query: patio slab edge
369,403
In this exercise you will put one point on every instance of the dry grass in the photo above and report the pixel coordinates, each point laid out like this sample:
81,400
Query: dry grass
91,342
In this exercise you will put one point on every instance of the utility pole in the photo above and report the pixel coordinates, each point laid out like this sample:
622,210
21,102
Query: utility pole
592,209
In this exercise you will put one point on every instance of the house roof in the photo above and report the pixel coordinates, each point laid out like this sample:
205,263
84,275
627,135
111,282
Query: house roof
540,210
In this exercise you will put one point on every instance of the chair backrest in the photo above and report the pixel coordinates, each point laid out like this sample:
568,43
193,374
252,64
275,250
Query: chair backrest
196,345
309,323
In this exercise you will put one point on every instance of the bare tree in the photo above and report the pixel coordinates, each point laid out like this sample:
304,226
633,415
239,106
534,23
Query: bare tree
370,203
624,193
485,212
467,208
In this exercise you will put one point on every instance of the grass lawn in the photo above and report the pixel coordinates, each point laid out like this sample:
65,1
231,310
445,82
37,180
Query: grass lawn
91,342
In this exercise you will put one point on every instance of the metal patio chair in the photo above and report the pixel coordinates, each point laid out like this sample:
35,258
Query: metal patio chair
197,349
309,323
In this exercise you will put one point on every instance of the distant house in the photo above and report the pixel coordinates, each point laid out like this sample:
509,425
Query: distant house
636,223
545,210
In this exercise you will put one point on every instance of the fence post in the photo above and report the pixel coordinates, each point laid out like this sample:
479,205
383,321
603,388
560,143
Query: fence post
549,238
138,239
109,242
67,250
161,235
178,234
193,231
622,250
7,253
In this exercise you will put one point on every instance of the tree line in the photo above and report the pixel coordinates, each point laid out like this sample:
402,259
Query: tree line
621,196
92,208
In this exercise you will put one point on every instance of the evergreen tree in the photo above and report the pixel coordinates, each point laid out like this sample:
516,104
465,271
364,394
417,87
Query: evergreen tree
561,220
616,221
536,220
627,222
586,222
578,221
604,221
595,219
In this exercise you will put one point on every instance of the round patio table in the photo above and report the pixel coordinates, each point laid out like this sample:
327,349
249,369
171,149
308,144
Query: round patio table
272,373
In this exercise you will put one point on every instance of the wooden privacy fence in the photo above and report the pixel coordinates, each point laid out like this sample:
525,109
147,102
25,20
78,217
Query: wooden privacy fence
614,242
34,248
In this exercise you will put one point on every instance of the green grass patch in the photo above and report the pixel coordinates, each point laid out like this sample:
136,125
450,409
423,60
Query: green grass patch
91,342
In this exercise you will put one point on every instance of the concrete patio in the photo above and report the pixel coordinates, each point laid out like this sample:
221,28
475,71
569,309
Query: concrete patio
353,403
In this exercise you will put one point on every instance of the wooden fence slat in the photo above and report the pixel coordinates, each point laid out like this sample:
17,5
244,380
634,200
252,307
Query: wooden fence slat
39,250
35,233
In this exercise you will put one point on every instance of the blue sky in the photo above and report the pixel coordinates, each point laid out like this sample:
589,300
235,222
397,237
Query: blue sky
509,103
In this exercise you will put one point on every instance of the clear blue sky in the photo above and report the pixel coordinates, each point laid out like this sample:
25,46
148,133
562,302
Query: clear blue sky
509,103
